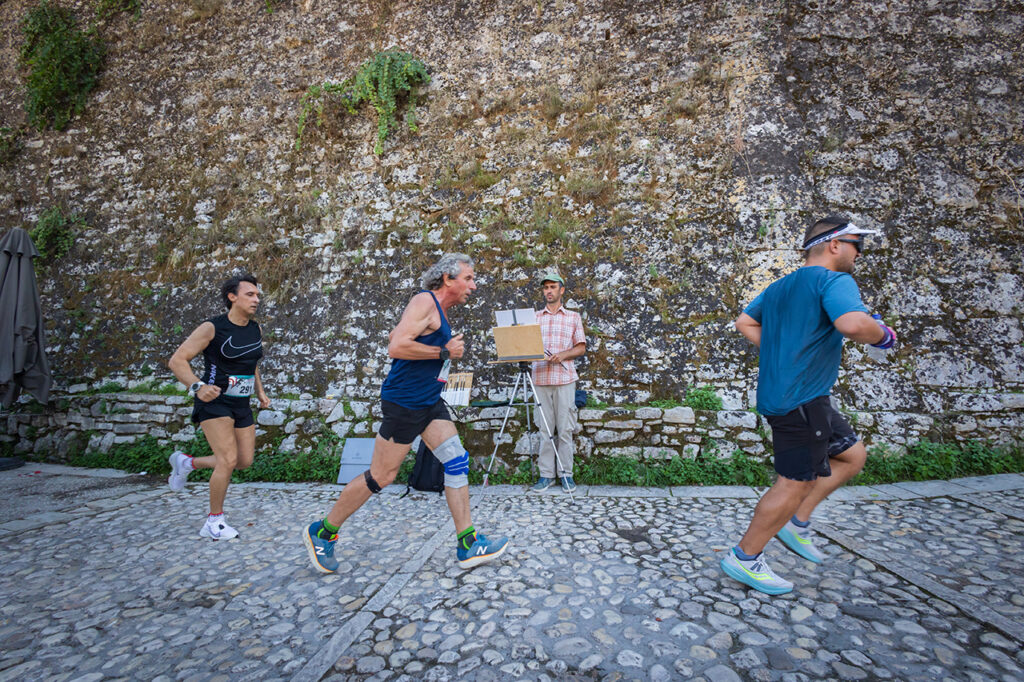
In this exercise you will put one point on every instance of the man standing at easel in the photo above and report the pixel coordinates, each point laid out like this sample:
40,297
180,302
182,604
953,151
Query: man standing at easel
555,380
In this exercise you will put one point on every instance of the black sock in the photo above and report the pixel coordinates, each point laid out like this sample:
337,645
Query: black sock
326,530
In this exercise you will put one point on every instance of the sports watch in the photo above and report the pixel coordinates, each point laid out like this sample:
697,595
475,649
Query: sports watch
444,354
194,388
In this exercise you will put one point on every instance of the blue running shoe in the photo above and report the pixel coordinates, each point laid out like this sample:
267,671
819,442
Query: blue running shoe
321,552
756,573
482,551
568,485
798,540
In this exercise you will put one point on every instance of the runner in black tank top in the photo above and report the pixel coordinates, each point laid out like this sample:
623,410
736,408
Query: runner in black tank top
231,345
230,360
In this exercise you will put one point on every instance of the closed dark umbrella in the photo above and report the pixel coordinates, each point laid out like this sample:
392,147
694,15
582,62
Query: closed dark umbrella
23,364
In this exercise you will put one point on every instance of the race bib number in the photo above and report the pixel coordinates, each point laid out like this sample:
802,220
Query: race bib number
446,367
240,386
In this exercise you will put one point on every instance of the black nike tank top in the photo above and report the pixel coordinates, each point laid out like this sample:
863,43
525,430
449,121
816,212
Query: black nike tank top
232,356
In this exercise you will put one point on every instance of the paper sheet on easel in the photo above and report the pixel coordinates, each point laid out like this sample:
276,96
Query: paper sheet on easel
508,318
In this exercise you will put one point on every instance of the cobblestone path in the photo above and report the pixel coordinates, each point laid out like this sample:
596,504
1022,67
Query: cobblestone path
106,578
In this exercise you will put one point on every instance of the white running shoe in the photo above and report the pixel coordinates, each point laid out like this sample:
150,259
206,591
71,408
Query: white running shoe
179,470
755,573
800,541
217,529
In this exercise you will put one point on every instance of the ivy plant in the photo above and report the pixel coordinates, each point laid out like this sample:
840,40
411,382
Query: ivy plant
63,64
54,233
381,81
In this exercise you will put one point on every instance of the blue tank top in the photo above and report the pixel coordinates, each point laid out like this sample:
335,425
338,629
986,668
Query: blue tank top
413,383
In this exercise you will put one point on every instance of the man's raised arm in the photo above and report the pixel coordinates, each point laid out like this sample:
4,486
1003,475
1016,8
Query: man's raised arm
415,321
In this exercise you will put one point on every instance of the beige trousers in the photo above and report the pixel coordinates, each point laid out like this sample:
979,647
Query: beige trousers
559,406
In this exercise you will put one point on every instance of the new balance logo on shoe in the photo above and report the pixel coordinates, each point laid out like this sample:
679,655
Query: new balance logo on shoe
320,551
482,551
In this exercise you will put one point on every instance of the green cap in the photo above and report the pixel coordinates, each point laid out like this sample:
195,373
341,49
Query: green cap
551,276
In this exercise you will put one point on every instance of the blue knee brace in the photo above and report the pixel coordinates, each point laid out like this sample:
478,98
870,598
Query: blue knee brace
455,459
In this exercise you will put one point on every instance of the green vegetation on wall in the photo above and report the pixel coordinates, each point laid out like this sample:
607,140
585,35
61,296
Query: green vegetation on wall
63,65
739,469
924,460
108,8
703,398
381,81
54,234
10,144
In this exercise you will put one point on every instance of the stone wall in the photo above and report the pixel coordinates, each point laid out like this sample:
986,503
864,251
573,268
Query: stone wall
665,156
86,420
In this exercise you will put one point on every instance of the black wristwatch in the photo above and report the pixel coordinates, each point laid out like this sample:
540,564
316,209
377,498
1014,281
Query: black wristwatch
445,354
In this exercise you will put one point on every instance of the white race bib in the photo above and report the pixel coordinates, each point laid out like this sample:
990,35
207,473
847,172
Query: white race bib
240,386
446,367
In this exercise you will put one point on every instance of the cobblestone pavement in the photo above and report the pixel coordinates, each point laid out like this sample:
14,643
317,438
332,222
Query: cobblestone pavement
106,578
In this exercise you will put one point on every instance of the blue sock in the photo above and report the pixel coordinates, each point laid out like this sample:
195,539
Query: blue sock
800,524
744,557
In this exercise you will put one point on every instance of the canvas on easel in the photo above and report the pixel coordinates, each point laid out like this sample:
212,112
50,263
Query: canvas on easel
518,344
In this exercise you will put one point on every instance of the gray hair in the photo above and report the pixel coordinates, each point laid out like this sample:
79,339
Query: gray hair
450,264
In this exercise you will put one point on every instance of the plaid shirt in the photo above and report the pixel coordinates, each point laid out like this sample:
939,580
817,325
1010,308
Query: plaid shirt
561,330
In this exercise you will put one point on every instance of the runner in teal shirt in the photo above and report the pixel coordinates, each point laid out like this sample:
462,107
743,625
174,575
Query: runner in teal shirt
800,345
799,323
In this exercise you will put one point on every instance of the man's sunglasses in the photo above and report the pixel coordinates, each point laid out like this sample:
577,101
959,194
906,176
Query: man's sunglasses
858,243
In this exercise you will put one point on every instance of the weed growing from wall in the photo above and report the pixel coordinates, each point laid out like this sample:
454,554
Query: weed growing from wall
588,186
108,8
10,144
551,104
204,9
63,63
381,81
703,398
739,469
54,234
924,460
520,475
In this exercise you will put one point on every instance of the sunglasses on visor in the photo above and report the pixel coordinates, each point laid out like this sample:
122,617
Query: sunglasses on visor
857,243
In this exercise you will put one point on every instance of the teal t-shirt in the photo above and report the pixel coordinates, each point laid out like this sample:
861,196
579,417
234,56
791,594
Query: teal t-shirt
800,346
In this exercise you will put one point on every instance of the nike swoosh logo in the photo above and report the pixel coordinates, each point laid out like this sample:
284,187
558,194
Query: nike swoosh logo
224,347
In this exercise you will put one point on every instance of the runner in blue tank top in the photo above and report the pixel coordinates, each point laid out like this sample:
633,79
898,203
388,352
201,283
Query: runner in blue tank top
421,346
413,383
799,323
231,345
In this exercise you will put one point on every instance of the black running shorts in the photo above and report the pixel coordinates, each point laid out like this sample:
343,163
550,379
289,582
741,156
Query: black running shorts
805,439
240,411
402,424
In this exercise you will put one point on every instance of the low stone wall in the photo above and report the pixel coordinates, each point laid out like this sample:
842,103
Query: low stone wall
85,420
